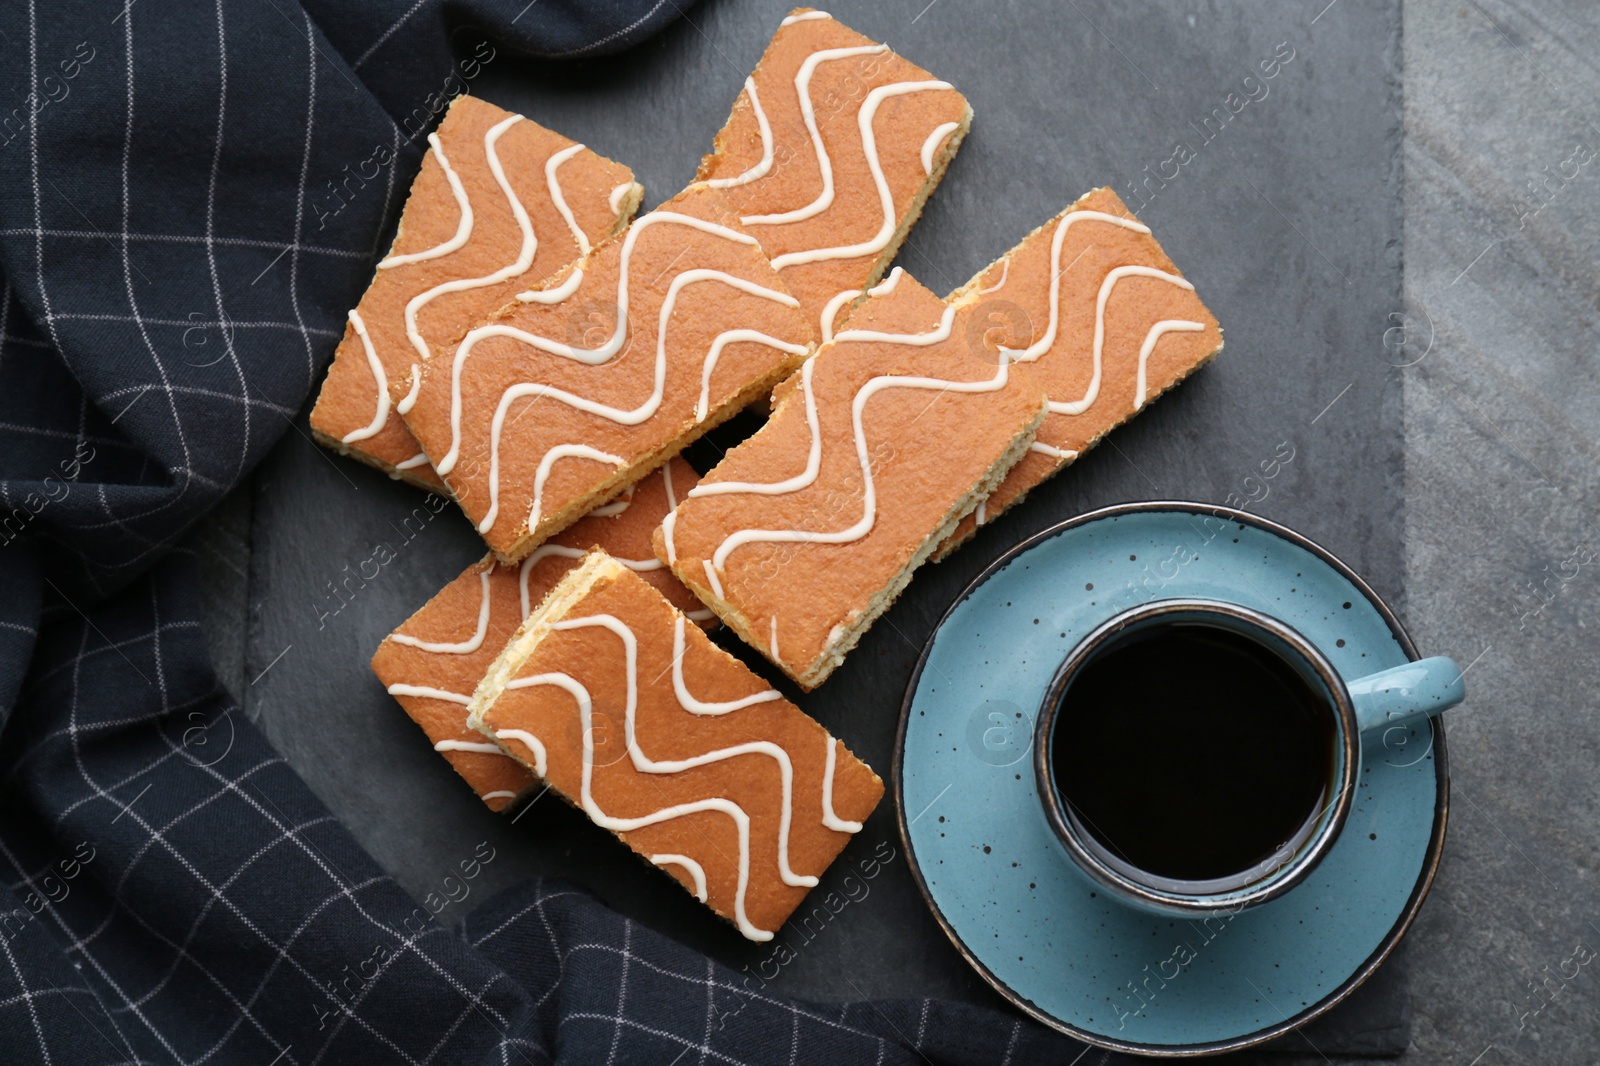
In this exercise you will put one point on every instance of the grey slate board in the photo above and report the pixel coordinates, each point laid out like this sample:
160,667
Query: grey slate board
1288,222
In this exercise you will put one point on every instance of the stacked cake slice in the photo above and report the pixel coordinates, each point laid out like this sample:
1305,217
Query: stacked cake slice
432,663
500,203
906,429
610,696
557,404
898,428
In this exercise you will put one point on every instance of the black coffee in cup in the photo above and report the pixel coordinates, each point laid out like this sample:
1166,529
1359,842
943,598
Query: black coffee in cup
1187,752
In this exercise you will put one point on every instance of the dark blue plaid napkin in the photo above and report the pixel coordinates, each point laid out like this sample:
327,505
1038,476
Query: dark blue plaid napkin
191,195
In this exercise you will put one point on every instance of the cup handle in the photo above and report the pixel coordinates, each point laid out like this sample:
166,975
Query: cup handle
1405,693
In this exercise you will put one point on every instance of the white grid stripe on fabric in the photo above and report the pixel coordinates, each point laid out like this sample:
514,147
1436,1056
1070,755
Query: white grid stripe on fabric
615,35
1011,1044
27,995
839,1024
389,186
183,238
130,1004
33,163
318,860
76,945
205,909
61,434
245,401
127,260
664,1034
300,196
711,1000
383,38
197,323
622,988
473,1004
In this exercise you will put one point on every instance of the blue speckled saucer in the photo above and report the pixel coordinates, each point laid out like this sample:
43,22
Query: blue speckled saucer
1000,883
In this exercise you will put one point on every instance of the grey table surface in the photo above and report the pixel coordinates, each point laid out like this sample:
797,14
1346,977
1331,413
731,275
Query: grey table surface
1444,416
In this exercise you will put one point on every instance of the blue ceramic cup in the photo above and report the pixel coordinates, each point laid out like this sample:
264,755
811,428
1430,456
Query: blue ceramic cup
1364,709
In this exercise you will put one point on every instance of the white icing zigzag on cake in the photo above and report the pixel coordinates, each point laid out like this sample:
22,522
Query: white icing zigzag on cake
935,141
463,227
879,241
603,354
808,113
464,230
824,198
643,763
401,689
474,642
696,871
380,379
762,165
823,201
463,647
471,644
808,476
560,201
525,254
1030,354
